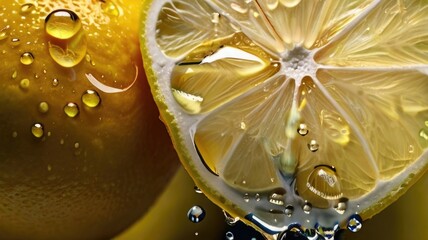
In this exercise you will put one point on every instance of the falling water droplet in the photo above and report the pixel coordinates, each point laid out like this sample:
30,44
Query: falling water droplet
43,107
91,98
71,109
303,129
27,58
62,24
230,236
307,208
196,214
313,146
37,130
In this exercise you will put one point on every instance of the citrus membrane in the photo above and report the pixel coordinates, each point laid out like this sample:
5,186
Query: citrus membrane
285,112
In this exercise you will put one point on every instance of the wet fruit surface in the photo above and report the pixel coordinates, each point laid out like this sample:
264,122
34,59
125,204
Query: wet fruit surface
82,151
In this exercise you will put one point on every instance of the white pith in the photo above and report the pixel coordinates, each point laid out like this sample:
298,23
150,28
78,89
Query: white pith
295,64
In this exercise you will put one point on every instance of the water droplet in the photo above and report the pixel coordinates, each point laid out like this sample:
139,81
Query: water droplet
4,32
355,223
190,103
37,130
197,190
246,197
243,126
27,8
313,146
289,210
303,129
91,98
341,206
196,214
24,84
15,42
14,74
277,198
110,8
230,236
215,18
62,24
323,181
27,58
307,207
71,109
423,134
257,197
55,82
290,3
272,4
43,107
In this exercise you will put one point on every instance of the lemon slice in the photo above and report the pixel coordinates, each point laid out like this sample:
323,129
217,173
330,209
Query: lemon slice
285,112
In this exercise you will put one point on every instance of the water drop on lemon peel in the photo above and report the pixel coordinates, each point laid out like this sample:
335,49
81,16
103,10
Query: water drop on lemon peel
252,66
123,159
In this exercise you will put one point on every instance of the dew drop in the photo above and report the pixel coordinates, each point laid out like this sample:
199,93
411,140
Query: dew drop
197,190
37,130
355,223
196,214
341,206
307,207
62,24
55,82
230,236
43,107
246,197
289,210
27,8
110,8
91,98
71,109
27,58
323,181
24,84
303,129
313,146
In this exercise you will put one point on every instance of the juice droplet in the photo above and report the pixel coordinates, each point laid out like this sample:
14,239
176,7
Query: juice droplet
71,109
43,107
110,8
27,58
307,208
196,214
313,146
303,129
62,24
24,84
324,182
290,3
355,223
91,98
37,130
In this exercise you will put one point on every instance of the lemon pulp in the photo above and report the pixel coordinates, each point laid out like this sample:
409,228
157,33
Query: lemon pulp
318,107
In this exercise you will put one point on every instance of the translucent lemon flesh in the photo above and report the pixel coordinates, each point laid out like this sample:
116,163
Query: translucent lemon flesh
317,106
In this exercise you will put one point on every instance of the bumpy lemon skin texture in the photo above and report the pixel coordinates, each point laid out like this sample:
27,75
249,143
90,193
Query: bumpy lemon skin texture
87,177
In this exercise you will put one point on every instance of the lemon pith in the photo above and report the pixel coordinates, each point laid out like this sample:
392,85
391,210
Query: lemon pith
307,104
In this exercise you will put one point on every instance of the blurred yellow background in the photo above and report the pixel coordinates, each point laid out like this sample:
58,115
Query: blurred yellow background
406,219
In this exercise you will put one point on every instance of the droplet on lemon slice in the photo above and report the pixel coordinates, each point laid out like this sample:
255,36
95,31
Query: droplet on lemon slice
318,108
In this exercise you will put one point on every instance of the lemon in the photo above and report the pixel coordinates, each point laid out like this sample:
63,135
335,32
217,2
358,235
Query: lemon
82,151
307,116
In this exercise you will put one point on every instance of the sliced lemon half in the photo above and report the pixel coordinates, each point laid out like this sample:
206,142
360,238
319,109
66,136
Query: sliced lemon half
288,112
